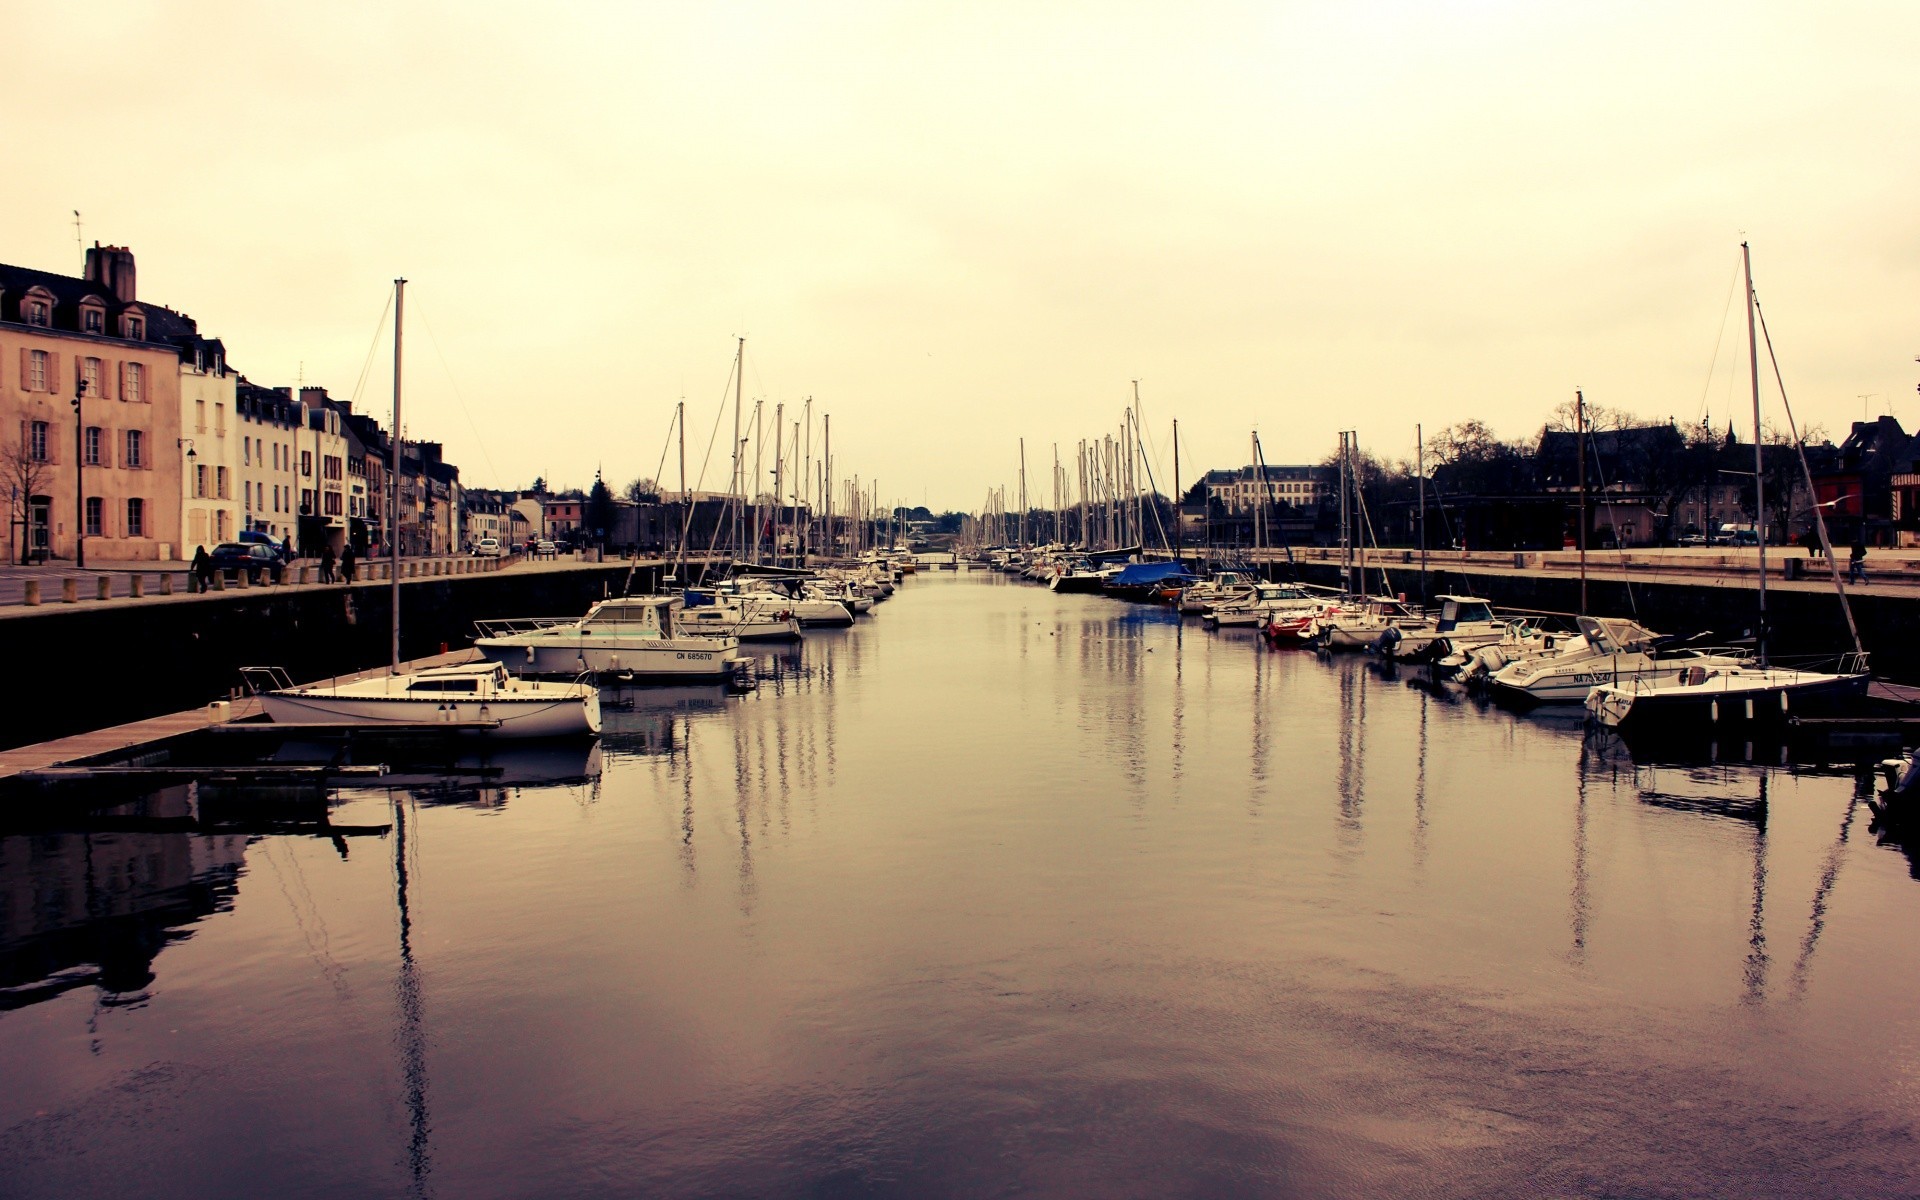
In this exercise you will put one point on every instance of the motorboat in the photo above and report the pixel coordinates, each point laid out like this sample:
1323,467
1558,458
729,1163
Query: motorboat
792,595
479,697
1461,623
1703,698
1357,626
705,615
1262,605
626,637
1221,586
1608,651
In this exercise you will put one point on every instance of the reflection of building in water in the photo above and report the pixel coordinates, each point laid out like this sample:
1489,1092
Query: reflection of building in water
98,906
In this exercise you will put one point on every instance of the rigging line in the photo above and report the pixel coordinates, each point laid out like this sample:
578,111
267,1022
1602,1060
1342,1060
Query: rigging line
1619,548
1813,495
686,527
1726,311
421,312
666,447
372,347
1366,523
1156,491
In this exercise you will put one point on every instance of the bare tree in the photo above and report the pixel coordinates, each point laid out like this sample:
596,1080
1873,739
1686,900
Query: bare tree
23,476
642,491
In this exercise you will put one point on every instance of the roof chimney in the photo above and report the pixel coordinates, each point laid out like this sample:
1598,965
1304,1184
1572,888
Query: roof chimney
112,268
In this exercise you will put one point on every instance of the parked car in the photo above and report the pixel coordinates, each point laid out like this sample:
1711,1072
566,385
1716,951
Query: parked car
257,559
487,547
1692,539
545,548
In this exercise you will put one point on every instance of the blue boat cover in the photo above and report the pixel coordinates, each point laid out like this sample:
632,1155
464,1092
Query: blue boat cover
1150,574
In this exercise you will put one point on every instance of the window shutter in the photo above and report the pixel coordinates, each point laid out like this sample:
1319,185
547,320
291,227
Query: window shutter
26,360
120,369
53,371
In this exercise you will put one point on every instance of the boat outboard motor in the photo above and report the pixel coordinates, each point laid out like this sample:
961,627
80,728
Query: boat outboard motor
1384,644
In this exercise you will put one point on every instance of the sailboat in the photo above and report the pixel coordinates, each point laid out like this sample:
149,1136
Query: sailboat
1704,696
478,697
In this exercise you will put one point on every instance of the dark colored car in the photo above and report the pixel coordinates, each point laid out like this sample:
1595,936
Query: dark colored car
256,559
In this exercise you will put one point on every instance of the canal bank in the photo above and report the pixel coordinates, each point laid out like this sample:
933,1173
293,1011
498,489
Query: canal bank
117,661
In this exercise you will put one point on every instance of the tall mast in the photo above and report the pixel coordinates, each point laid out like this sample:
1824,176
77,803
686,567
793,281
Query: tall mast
1759,482
1420,458
1580,448
826,481
1346,532
1176,488
779,445
1023,493
813,495
733,489
393,481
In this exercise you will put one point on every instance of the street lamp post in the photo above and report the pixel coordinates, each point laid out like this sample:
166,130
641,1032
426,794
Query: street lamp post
79,476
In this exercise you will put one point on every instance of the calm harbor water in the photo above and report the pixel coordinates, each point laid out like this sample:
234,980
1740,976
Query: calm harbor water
998,893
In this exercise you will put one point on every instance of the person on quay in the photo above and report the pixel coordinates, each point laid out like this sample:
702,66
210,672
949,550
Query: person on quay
347,561
326,565
1857,560
200,574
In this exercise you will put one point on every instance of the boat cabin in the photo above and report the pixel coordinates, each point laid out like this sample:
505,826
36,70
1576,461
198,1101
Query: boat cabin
466,679
1460,610
631,616
1612,635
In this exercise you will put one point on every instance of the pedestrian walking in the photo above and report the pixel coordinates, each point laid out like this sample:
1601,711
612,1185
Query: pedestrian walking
347,561
1857,560
200,574
326,565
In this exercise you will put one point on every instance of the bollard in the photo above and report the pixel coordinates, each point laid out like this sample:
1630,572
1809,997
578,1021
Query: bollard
166,583
32,593
243,579
303,574
69,591
103,588
219,581
137,586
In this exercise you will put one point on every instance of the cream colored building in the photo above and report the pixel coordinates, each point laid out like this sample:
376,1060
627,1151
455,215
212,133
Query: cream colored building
211,510
267,421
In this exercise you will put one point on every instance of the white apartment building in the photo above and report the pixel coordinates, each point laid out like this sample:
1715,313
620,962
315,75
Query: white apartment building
268,424
211,510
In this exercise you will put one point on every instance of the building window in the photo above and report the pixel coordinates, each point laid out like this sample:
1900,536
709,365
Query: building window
199,416
38,313
135,328
37,371
220,483
200,482
37,441
246,452
92,455
95,507
219,420
136,518
92,320
90,375
135,378
306,463
220,524
135,440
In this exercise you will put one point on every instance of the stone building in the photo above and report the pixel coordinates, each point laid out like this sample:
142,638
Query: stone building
112,474
211,506
268,423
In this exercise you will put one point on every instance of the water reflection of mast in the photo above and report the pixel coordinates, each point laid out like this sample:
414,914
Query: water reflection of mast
1420,793
1829,875
1756,964
413,1045
1353,714
1577,899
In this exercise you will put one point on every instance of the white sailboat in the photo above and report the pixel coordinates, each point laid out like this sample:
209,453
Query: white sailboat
636,637
480,697
1705,698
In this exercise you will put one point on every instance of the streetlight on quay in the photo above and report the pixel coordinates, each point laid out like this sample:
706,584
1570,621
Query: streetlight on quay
79,476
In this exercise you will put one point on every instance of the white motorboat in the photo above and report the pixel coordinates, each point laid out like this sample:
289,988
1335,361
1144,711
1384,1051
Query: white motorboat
629,637
790,594
1355,627
480,697
1221,587
1462,623
1608,651
1262,605
746,618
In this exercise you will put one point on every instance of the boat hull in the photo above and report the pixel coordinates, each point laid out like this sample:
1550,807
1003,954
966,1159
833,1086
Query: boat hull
494,716
662,659
1682,712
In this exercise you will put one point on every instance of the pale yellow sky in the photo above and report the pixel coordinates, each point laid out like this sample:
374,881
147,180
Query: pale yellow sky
956,225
